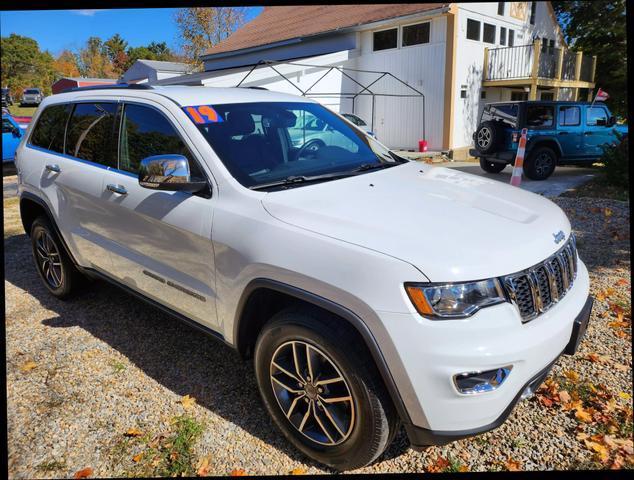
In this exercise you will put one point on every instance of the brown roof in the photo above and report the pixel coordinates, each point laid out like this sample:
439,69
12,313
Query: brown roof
275,24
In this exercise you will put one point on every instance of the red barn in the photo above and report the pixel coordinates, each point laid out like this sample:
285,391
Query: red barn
72,82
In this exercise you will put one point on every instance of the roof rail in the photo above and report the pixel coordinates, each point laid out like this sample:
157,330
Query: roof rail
115,86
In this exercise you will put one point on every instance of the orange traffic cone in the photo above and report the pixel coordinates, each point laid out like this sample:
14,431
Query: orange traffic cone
518,168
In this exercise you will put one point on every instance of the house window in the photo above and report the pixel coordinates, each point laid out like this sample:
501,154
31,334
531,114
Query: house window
569,116
500,8
502,35
547,96
533,10
385,39
519,96
551,46
416,34
488,33
511,37
473,30
483,94
463,93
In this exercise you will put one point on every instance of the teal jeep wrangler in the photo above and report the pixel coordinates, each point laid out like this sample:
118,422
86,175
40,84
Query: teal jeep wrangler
559,133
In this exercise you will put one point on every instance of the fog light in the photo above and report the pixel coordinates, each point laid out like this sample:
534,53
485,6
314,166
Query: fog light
480,382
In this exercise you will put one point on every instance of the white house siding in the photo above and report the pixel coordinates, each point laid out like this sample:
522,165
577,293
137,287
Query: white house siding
398,122
470,58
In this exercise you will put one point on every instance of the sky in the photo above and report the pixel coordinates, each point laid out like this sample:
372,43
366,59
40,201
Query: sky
56,30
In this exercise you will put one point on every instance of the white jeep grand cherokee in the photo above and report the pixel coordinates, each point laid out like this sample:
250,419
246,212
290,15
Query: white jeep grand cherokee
371,291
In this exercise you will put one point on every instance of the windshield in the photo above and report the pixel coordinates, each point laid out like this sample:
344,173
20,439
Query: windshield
31,91
268,142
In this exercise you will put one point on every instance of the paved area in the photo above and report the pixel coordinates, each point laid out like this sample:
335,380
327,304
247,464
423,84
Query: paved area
563,179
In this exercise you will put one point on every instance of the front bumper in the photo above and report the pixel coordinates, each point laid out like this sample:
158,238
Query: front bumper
421,437
433,351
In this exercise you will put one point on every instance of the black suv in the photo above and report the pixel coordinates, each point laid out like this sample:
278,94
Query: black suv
7,99
558,133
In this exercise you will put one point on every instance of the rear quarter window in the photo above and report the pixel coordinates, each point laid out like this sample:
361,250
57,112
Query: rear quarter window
505,113
48,132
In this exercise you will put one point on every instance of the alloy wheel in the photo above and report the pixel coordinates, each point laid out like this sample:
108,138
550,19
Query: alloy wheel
48,259
484,137
312,393
543,162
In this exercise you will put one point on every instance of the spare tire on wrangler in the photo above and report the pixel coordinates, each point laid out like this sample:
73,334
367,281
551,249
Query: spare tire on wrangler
487,137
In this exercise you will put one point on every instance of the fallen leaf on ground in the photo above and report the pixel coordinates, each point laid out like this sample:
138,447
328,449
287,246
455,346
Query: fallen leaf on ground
188,401
133,432
84,473
564,397
607,212
138,457
602,452
622,281
238,472
28,366
583,416
625,396
513,465
439,465
298,471
202,468
572,375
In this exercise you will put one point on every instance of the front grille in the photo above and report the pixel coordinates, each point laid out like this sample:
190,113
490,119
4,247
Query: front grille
538,288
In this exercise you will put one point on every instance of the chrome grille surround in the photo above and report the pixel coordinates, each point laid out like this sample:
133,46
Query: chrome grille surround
536,289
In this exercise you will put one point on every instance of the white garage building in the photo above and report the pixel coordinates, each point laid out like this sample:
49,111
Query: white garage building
459,55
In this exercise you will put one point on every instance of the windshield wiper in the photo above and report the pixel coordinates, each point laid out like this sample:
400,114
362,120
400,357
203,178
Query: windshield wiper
296,179
364,167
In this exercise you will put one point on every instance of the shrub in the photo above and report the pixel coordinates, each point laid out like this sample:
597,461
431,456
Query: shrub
616,161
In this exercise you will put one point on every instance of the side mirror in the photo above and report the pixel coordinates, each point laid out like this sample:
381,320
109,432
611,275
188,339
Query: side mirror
17,133
611,121
168,172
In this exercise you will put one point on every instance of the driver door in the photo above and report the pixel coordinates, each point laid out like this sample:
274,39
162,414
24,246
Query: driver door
162,239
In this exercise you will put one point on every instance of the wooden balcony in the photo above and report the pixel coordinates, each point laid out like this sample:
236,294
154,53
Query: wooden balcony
536,66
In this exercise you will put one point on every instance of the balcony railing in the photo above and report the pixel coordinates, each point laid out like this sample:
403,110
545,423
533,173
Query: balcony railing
533,62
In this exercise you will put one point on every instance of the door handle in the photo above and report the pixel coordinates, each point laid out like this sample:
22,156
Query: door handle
120,189
563,133
587,133
53,168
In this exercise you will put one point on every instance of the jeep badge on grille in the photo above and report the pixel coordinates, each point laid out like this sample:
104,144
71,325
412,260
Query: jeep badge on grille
559,236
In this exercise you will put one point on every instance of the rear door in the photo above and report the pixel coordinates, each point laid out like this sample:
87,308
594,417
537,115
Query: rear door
570,130
71,146
596,133
161,240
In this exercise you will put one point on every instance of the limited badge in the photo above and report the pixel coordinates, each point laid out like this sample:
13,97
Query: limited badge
203,114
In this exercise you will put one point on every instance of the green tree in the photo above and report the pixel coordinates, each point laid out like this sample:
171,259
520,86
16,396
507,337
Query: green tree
115,48
153,51
202,28
94,60
24,65
599,28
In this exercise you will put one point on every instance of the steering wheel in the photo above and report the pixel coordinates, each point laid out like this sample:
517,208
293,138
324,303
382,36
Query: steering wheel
310,146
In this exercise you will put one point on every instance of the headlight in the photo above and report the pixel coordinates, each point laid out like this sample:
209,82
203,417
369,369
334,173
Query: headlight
454,300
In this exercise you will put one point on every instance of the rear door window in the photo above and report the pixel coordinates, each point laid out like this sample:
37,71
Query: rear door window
146,132
540,116
48,132
90,133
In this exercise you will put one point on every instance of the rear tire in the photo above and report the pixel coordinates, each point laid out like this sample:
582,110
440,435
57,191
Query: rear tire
491,167
344,434
540,163
56,269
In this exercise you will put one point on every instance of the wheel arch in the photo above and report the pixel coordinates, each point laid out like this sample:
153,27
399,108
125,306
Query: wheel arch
262,298
549,142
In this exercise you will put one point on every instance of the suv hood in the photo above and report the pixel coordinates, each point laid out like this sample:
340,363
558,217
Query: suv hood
452,226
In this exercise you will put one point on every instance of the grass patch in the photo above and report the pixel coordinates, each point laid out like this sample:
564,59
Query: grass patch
12,221
117,366
598,187
51,466
19,111
164,455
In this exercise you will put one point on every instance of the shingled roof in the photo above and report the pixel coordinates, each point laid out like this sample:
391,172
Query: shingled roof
276,24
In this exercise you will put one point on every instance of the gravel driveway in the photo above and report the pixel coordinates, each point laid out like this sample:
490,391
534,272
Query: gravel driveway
104,384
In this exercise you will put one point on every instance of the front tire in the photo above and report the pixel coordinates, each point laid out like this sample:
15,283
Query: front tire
540,164
322,389
56,269
491,167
